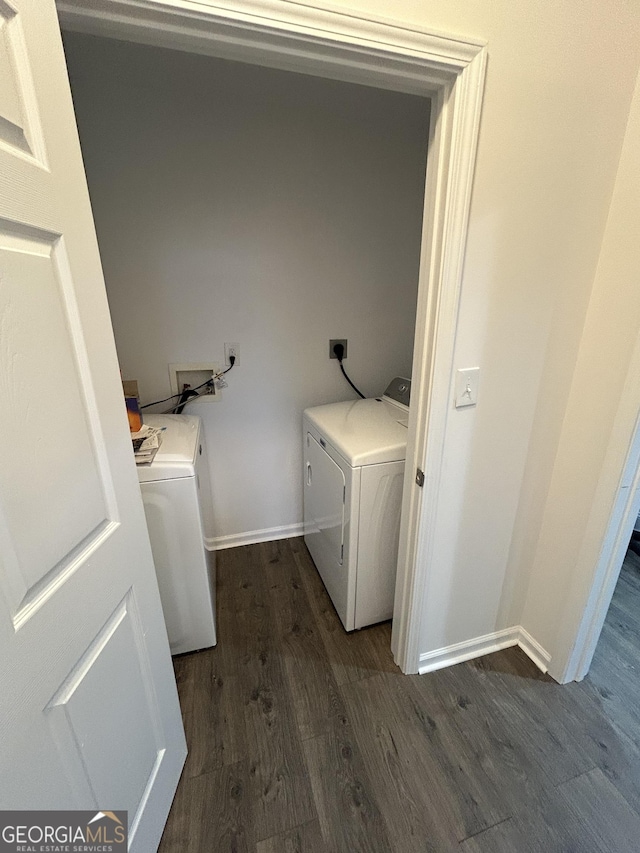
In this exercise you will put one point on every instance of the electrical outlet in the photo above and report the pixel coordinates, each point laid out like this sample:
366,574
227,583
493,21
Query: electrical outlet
335,341
229,350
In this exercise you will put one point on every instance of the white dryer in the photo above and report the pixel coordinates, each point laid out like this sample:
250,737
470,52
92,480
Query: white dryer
354,454
176,493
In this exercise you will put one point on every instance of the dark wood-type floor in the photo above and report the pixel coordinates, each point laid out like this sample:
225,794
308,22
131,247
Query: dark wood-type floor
303,739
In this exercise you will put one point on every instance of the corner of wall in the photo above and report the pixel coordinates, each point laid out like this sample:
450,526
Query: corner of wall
598,425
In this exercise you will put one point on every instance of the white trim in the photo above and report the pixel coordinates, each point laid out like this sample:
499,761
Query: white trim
275,27
467,650
387,54
533,649
269,534
485,645
447,202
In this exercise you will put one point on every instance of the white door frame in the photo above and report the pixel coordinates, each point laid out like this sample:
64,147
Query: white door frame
387,54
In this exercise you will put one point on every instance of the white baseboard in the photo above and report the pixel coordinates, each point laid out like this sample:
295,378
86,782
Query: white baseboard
485,645
459,652
534,650
269,534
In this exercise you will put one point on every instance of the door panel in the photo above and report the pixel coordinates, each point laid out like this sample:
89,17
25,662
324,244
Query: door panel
88,711
89,715
19,119
40,380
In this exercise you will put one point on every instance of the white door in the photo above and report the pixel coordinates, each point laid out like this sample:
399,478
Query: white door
89,715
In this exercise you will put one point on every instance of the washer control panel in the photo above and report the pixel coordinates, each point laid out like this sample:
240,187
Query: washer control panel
399,389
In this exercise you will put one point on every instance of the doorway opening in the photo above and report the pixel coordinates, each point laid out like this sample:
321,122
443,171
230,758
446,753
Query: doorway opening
450,72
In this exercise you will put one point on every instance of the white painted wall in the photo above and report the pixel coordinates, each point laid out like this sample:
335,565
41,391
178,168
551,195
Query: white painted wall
235,203
559,83
599,423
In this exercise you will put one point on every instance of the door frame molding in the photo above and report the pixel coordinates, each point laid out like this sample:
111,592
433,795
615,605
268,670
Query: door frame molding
374,51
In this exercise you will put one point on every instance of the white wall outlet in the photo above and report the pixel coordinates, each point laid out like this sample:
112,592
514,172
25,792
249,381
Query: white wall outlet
467,379
229,350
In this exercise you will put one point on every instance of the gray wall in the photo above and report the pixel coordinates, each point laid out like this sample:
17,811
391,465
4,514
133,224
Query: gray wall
236,203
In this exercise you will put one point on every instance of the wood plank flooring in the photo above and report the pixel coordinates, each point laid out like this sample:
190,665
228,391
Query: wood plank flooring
305,739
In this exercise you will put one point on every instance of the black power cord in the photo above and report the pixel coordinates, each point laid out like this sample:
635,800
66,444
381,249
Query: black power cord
186,395
338,351
173,396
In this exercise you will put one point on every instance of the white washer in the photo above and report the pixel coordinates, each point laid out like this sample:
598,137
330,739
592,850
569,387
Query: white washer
176,493
354,456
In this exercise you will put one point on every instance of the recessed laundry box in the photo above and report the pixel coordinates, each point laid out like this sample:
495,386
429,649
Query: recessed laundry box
354,455
176,494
